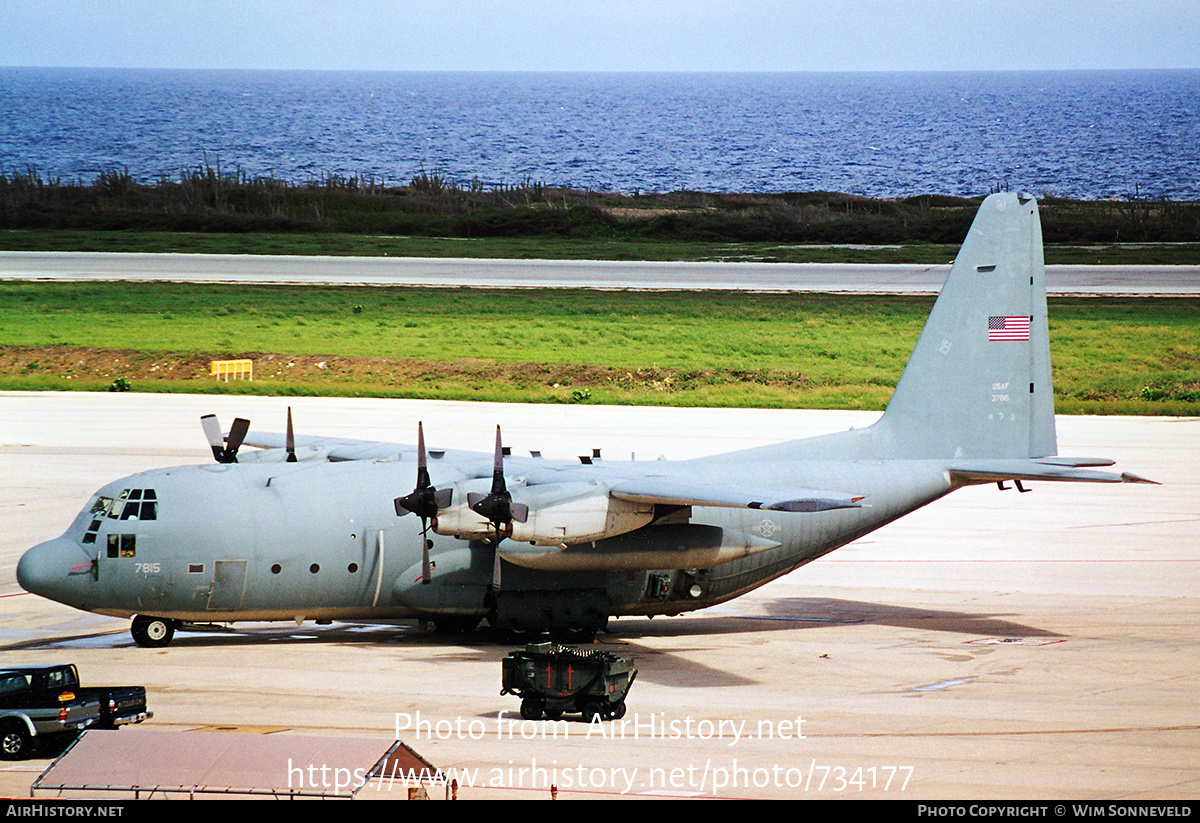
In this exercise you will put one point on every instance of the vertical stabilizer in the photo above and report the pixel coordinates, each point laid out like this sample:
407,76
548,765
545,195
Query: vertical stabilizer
978,382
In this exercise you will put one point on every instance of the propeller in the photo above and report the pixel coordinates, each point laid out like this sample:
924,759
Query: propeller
225,449
497,506
290,439
424,501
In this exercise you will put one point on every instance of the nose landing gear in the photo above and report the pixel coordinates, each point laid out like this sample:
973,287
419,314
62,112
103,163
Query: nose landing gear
152,632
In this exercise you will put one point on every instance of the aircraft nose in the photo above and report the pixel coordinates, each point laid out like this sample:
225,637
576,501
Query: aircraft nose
57,569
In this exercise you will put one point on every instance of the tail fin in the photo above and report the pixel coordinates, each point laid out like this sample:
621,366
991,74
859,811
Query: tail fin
978,382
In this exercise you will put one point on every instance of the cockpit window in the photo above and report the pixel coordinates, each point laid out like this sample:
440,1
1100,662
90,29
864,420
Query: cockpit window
132,504
141,505
115,507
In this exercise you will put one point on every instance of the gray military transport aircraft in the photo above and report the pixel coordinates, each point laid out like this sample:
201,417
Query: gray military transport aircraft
317,528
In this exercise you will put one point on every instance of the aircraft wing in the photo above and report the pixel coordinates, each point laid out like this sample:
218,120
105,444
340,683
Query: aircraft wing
1061,469
332,449
679,492
624,483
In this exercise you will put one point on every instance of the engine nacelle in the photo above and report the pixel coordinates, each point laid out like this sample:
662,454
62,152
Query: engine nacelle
676,546
560,514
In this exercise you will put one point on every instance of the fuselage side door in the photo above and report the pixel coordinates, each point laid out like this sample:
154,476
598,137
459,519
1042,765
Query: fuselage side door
228,585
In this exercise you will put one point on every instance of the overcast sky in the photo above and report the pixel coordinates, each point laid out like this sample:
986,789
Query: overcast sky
603,35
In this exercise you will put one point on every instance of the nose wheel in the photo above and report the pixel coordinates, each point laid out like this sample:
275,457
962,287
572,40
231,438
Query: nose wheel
152,632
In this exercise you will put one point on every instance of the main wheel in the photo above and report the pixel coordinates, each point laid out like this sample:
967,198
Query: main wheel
152,632
14,741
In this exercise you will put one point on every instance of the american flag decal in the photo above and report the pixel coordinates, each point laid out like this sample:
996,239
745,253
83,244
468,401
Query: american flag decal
1008,328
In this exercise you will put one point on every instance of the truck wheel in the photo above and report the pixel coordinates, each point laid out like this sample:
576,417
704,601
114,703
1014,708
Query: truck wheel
618,710
591,711
531,708
152,632
14,741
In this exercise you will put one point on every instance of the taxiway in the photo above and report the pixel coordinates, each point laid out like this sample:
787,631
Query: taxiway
575,274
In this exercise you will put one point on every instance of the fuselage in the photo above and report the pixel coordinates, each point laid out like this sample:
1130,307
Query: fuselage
276,541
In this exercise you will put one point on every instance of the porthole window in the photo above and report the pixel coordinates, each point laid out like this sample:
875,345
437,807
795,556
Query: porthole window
352,568
314,568
276,569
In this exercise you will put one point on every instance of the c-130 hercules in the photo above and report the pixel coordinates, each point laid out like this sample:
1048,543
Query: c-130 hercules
317,528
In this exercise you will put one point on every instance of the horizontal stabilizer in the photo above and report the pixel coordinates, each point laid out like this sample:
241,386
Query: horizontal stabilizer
1076,462
1060,469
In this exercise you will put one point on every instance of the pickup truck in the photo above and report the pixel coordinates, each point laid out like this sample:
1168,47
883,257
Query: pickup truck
48,702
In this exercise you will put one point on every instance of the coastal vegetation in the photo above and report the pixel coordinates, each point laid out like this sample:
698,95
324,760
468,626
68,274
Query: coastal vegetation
211,209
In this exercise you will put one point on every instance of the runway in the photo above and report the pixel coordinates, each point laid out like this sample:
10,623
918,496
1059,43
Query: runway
578,274
993,645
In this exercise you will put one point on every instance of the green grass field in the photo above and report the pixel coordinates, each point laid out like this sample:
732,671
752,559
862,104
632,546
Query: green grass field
1127,356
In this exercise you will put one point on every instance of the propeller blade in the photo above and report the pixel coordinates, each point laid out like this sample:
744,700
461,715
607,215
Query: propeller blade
497,506
426,567
422,460
224,449
237,433
498,466
424,486
212,432
424,501
290,440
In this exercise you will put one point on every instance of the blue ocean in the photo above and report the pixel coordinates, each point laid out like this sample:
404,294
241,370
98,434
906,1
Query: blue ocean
1074,134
